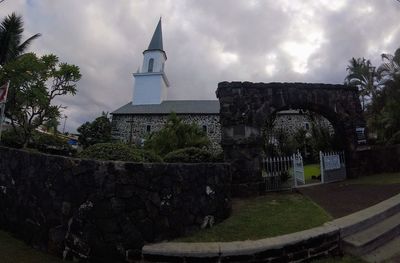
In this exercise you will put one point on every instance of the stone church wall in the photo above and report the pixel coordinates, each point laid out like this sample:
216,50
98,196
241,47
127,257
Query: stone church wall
292,122
132,128
105,211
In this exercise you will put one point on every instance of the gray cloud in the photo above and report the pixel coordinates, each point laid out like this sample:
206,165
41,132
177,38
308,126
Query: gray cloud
206,42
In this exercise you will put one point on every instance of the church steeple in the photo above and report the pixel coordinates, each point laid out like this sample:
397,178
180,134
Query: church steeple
156,42
151,83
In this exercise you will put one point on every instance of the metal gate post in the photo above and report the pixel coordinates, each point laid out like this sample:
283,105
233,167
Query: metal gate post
321,163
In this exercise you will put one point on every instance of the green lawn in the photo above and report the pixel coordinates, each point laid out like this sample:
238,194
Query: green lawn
15,251
309,171
265,216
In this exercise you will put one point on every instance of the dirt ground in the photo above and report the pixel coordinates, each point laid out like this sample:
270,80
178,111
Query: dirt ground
340,199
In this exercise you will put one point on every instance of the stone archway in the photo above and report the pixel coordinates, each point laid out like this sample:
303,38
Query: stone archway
244,107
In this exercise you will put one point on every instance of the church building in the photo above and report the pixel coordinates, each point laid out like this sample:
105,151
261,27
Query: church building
149,108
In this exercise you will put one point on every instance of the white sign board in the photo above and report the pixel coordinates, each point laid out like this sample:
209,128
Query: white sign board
331,162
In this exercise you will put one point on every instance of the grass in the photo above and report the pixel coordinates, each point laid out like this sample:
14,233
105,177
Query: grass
265,216
311,170
376,179
15,251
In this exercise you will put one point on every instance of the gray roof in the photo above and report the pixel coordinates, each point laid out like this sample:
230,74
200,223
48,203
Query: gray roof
168,106
156,42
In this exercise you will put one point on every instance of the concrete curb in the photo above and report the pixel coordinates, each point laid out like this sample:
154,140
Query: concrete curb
306,244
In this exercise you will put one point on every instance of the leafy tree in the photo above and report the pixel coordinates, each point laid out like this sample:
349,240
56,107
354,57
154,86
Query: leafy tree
11,45
361,75
51,125
34,83
176,135
97,131
384,112
390,68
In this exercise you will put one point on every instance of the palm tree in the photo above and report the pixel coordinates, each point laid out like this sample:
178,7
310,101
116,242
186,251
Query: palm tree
361,75
390,68
11,45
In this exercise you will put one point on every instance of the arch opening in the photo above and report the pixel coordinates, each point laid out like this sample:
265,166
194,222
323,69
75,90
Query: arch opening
246,107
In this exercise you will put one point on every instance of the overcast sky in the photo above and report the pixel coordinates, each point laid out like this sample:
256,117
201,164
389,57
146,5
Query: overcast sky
206,42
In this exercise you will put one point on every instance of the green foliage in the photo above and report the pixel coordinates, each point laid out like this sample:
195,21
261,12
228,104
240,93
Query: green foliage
276,141
51,125
148,156
384,112
46,143
34,83
321,139
176,135
110,151
361,75
48,139
118,152
11,139
98,131
189,155
52,144
11,45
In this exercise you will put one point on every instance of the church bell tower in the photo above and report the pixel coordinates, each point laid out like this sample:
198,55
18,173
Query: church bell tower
151,83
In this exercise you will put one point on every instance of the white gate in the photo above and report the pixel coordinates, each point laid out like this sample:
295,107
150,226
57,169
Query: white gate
333,166
298,170
283,172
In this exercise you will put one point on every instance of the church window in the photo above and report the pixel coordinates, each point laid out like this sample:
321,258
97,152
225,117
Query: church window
205,128
151,64
148,128
307,126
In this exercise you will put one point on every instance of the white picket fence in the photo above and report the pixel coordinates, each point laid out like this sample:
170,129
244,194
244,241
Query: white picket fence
283,172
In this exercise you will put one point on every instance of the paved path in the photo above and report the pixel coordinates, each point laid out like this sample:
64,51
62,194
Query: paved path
341,199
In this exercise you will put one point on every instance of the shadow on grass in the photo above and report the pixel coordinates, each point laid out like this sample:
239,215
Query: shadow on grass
15,251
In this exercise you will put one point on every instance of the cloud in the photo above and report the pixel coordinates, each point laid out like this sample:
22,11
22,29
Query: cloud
206,42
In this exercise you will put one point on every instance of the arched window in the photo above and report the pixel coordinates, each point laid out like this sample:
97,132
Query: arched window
151,63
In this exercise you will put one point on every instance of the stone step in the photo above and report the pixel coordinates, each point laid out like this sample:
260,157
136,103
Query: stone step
390,252
364,241
366,218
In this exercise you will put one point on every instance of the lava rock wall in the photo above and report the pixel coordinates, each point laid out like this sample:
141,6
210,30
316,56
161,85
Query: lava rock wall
102,211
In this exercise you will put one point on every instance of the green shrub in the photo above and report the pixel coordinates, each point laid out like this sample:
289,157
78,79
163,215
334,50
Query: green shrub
110,151
147,156
218,157
189,155
10,139
176,134
52,144
118,152
48,139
